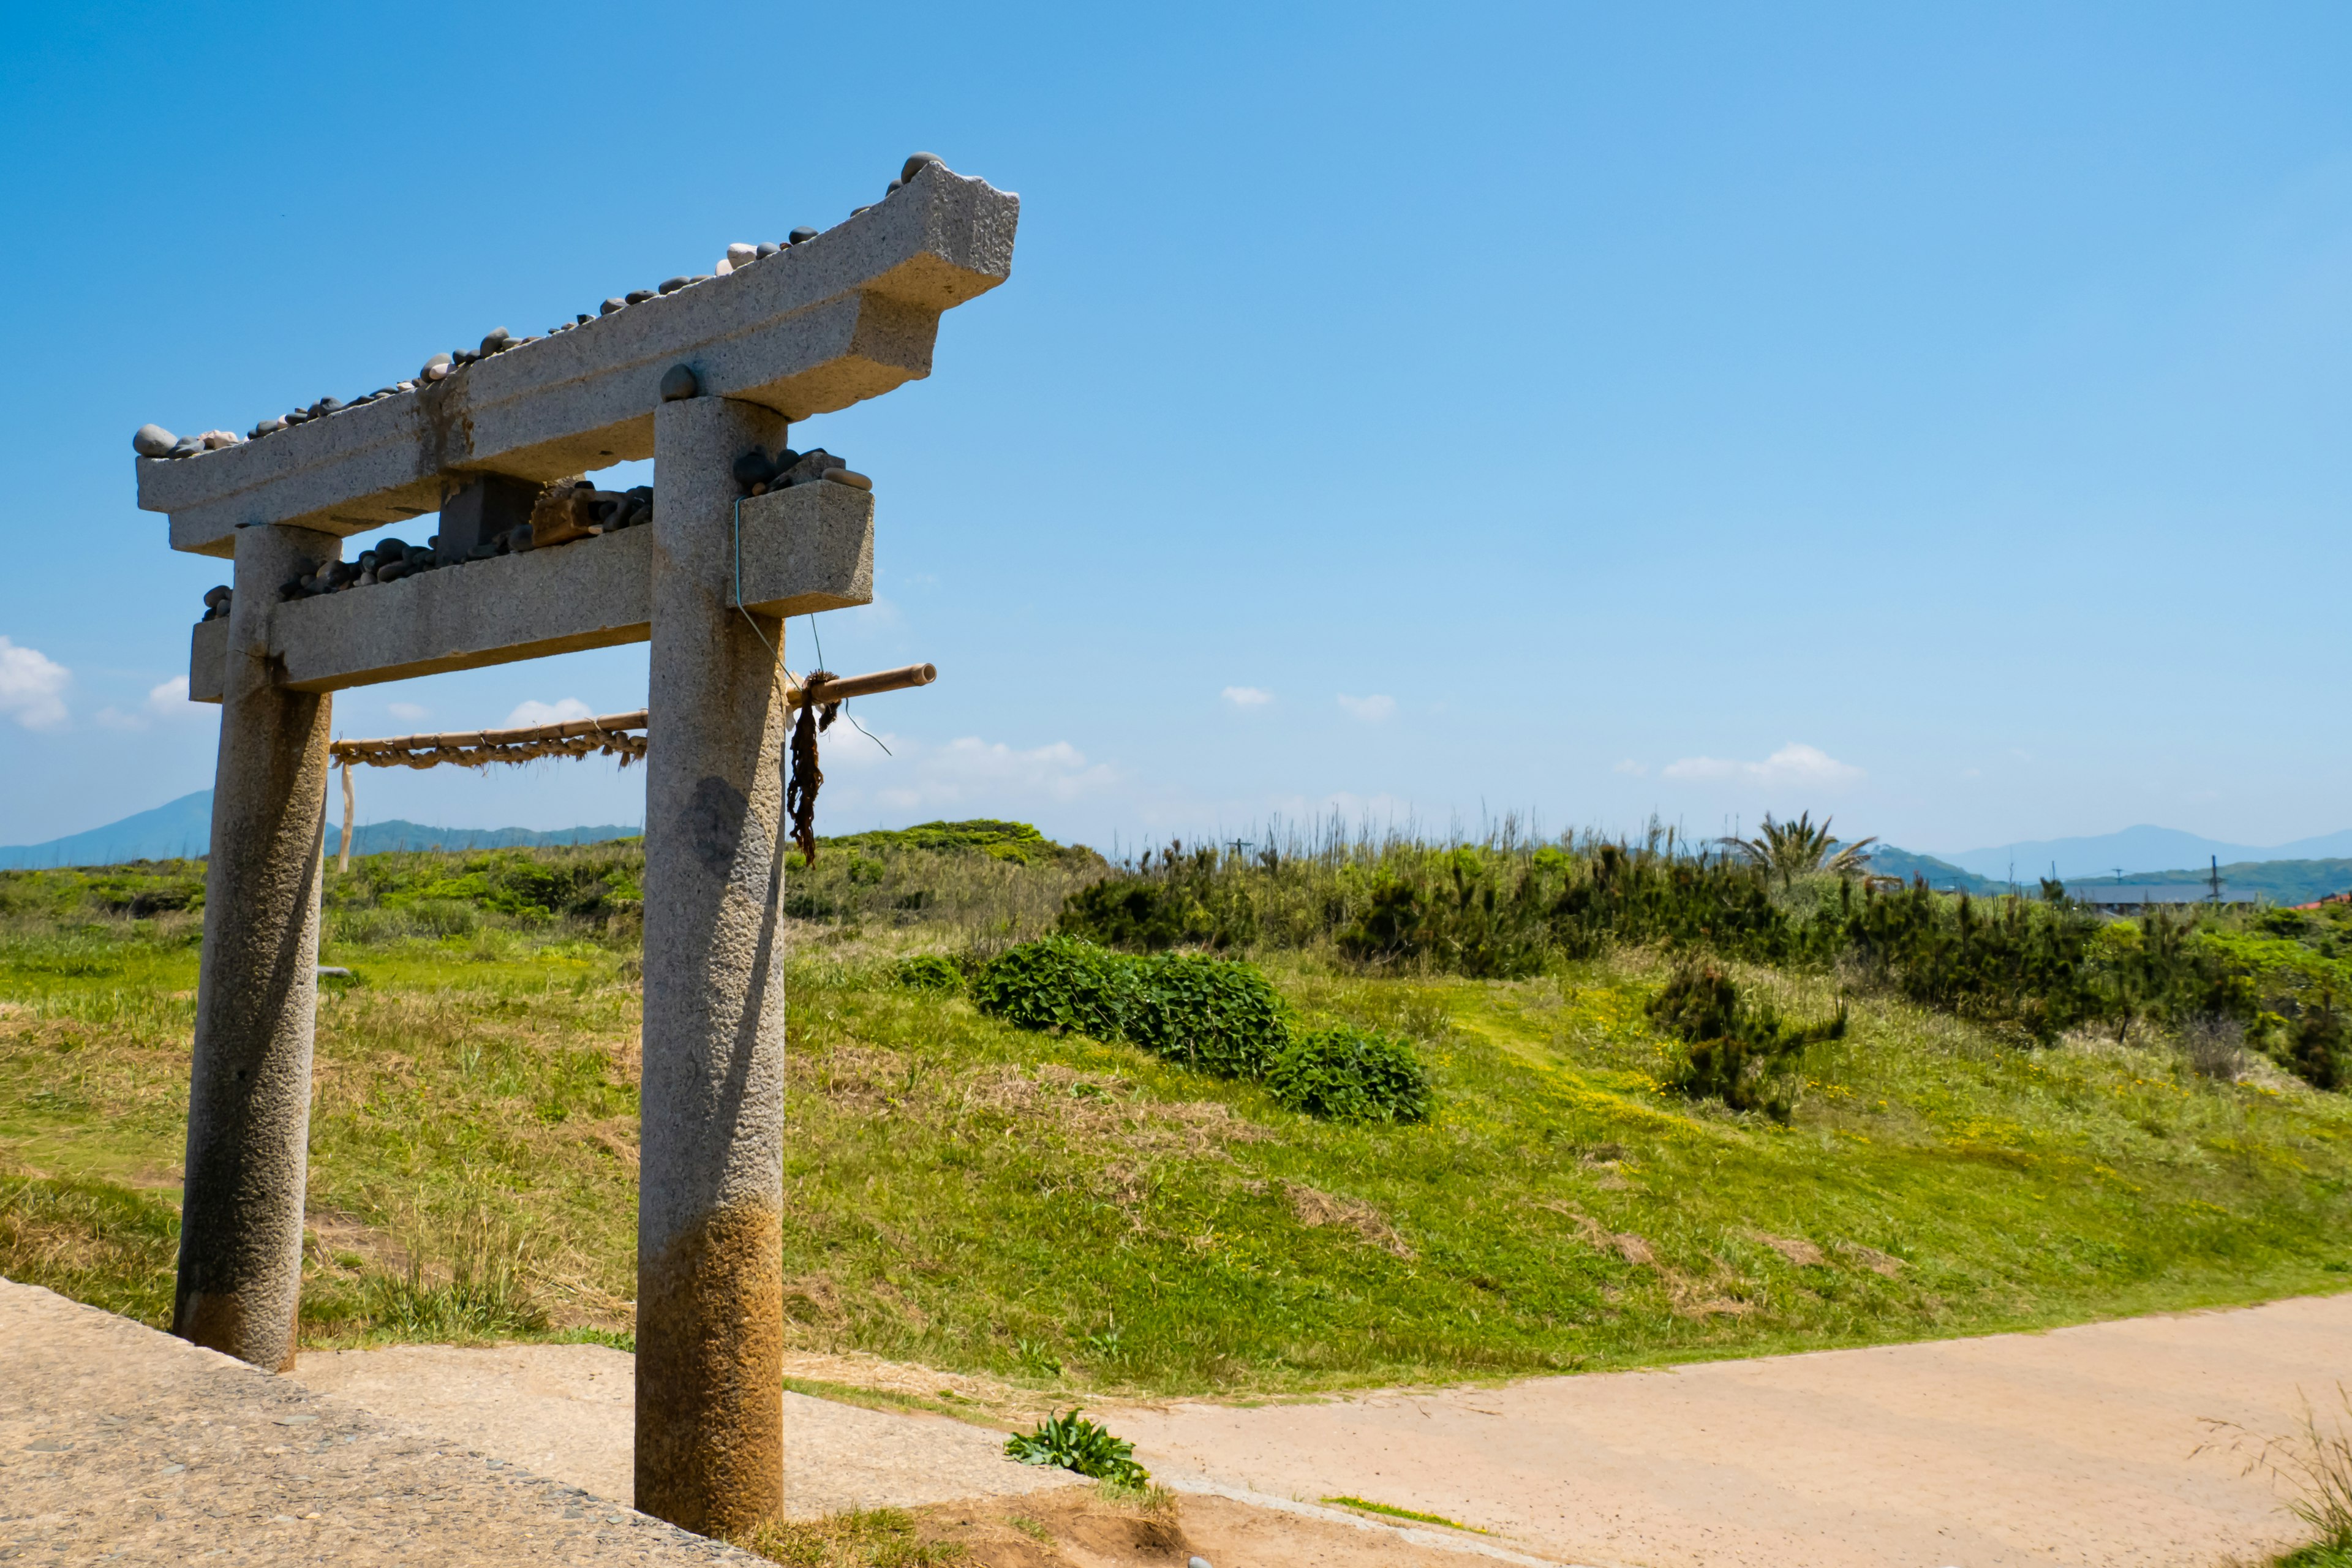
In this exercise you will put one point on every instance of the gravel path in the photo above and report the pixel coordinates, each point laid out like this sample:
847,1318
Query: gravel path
2073,1447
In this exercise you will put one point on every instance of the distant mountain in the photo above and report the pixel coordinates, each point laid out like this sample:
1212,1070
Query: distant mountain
184,830
178,829
2133,851
1943,876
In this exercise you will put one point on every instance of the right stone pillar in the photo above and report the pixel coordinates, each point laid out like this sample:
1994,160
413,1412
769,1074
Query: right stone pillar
709,1365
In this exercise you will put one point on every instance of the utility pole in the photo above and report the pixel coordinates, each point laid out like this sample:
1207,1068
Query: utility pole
2216,861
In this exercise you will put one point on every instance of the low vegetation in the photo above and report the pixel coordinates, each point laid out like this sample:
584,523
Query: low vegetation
1068,1439
1624,1125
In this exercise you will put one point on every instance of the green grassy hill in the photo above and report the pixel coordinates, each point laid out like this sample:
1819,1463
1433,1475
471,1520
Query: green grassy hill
1069,1214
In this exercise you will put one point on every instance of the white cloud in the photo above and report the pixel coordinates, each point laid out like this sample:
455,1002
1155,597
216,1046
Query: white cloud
1247,696
1370,709
169,700
32,686
967,774
166,699
535,712
1639,770
412,711
1792,764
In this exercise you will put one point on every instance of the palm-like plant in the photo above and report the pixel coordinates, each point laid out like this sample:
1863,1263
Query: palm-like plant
1790,849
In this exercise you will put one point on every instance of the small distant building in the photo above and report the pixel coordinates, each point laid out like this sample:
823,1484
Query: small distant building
2131,898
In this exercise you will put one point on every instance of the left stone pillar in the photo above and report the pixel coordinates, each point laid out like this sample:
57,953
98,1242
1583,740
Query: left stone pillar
257,995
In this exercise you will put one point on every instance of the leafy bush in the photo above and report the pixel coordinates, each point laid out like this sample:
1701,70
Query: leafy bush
1215,1015
1351,1074
1734,1051
1059,983
1077,1444
2318,1052
929,971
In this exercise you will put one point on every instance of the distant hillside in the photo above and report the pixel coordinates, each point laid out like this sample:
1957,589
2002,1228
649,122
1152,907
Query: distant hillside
177,830
2137,851
182,829
380,837
2269,881
1942,875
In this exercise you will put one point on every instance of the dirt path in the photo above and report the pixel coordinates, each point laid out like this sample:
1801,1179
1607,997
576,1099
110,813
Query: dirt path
568,1412
2073,1447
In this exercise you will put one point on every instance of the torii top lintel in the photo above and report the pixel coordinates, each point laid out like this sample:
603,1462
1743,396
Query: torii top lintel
816,327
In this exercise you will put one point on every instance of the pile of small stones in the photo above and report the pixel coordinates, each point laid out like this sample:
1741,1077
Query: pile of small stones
565,511
759,473
216,602
154,441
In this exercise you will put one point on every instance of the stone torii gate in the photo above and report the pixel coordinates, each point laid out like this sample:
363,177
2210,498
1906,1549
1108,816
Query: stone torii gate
693,377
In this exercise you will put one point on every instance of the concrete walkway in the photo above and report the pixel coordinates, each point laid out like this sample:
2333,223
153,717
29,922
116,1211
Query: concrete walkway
119,1443
2075,1446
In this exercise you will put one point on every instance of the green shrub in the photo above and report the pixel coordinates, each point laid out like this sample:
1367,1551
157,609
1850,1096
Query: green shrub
2317,1051
1059,983
1188,901
1213,1014
1351,1074
1733,1050
1077,1444
929,971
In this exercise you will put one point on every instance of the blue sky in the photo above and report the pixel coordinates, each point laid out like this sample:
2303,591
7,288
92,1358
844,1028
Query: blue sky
1934,419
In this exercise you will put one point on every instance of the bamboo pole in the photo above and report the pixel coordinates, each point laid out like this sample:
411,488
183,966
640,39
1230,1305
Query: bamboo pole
838,689
565,731
842,689
343,859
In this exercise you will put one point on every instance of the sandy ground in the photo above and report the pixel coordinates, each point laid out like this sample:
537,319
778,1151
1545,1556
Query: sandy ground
2080,1447
2077,1446
566,1412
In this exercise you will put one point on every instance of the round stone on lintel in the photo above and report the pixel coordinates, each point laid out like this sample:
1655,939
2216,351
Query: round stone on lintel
914,164
680,382
153,441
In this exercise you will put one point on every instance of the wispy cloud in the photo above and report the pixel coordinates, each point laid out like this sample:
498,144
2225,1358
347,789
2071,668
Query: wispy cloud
969,771
32,686
1370,709
1792,764
166,700
411,711
559,712
1639,770
1247,696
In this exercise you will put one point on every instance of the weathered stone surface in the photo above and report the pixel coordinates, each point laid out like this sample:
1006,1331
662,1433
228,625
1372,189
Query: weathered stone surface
709,1432
240,1272
485,512
116,1442
850,315
804,550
